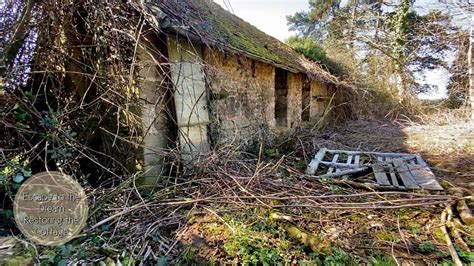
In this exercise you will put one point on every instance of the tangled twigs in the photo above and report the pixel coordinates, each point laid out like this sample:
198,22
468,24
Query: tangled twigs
372,187
68,75
466,216
229,182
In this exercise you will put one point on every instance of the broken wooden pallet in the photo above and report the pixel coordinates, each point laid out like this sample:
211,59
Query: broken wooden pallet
398,170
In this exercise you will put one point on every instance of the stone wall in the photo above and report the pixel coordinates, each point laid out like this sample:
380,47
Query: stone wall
215,97
243,97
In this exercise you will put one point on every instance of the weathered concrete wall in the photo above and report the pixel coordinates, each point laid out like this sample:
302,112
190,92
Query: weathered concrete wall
295,90
190,96
243,97
153,97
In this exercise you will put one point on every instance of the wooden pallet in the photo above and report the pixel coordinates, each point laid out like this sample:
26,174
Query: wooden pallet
398,170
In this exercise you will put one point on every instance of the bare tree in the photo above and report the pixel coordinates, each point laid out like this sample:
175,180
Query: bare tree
465,8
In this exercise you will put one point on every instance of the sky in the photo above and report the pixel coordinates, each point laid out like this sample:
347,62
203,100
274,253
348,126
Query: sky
270,17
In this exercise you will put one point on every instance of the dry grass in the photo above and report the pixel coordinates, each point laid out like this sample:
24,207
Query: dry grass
453,139
448,148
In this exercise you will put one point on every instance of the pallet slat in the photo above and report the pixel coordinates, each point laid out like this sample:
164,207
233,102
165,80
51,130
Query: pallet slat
407,171
393,175
405,174
357,160
424,177
349,159
420,161
342,165
380,175
384,154
345,172
314,164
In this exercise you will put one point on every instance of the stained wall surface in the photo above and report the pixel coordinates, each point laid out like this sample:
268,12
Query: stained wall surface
243,97
190,96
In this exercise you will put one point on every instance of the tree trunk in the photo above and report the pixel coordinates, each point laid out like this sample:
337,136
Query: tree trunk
471,66
402,85
352,27
19,35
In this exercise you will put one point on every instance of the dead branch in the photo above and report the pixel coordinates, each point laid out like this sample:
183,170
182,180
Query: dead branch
445,217
457,236
464,212
317,244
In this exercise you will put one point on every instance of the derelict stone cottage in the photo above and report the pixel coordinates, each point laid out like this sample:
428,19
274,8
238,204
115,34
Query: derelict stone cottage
210,78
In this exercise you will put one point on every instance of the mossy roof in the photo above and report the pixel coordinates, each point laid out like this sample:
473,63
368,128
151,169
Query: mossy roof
214,25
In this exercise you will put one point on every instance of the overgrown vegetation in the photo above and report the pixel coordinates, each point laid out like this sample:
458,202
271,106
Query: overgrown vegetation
70,101
69,90
385,49
68,98
311,50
